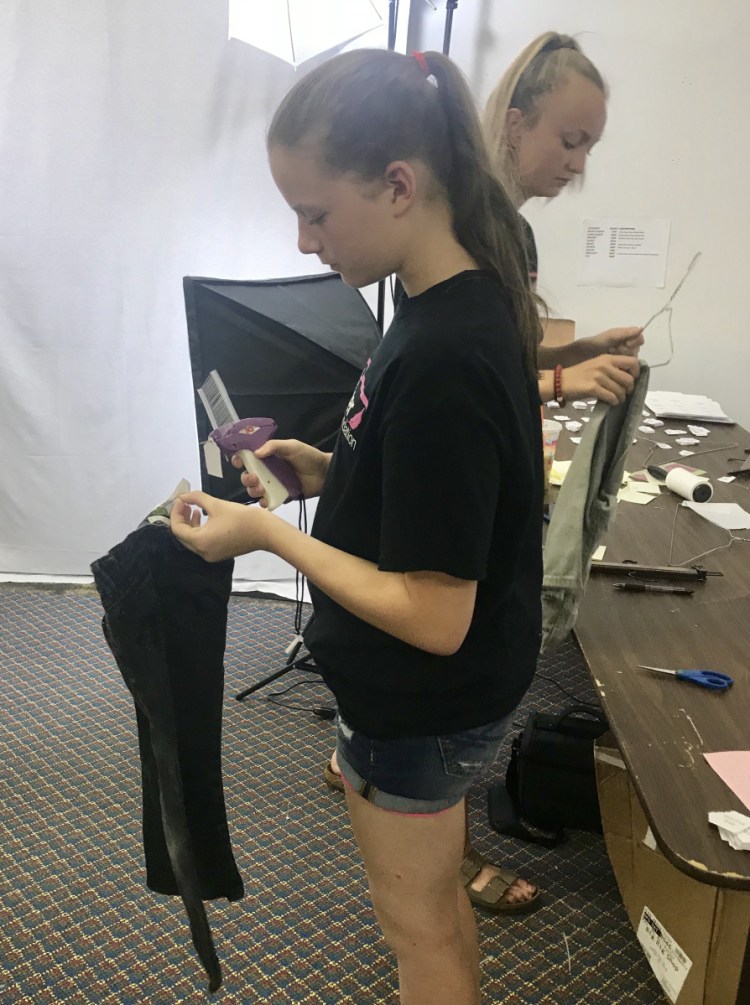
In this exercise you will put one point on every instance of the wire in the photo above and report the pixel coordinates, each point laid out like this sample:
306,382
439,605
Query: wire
693,453
299,579
272,697
689,561
667,309
573,697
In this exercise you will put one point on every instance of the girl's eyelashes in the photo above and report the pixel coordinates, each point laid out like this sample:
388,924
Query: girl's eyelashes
317,219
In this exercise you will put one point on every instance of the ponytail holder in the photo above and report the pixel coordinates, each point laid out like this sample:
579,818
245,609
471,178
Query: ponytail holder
425,68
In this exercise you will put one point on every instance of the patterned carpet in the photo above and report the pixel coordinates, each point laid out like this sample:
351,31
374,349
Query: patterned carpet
77,924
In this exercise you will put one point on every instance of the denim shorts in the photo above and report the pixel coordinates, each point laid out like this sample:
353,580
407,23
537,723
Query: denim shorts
418,775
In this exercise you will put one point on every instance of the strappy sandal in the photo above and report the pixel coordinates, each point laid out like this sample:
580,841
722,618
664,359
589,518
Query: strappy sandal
492,896
333,779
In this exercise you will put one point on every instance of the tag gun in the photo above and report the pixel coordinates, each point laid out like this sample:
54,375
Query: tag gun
244,437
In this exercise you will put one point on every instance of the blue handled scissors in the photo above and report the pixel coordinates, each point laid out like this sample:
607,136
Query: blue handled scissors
711,679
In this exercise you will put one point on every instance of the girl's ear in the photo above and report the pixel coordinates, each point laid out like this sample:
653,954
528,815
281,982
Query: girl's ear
514,118
401,181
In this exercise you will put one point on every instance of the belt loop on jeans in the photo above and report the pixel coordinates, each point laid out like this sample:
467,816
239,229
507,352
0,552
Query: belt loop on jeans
367,790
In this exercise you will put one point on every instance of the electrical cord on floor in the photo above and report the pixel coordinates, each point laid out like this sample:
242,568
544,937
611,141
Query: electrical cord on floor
321,711
575,698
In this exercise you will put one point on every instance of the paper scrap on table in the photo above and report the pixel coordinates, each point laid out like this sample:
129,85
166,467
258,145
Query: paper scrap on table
591,401
686,441
599,553
724,478
573,427
575,439
558,472
645,429
580,404
639,481
631,494
652,422
734,828
728,516
676,432
689,453
664,446
733,768
648,488
585,418
645,476
553,404
562,418
698,430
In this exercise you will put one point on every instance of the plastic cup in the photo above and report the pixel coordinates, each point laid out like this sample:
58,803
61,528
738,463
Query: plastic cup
550,435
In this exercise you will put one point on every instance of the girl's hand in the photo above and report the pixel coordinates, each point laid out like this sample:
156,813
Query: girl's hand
309,463
608,378
231,529
617,341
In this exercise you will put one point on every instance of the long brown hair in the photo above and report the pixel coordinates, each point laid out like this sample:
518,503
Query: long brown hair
544,65
367,108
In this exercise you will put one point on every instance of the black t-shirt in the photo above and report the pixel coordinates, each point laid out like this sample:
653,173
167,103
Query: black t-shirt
438,467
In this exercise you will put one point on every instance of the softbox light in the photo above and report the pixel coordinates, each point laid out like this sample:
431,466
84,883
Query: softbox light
288,349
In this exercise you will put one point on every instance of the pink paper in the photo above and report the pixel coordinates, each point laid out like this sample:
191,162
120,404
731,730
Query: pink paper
733,767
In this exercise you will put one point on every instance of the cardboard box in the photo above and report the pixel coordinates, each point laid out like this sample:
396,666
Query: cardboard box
694,935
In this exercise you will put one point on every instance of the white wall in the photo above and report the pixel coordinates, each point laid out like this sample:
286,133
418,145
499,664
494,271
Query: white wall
677,145
131,154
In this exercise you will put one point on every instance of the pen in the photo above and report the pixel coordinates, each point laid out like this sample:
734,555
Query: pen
652,588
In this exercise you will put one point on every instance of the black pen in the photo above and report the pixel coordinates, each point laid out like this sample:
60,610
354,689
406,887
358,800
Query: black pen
652,588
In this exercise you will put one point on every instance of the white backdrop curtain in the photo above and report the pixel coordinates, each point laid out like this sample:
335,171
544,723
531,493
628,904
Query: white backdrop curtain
132,153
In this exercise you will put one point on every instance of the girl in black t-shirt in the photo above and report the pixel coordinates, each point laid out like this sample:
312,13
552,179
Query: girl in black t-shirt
427,603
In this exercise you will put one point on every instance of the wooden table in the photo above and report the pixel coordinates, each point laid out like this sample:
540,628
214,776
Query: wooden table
662,726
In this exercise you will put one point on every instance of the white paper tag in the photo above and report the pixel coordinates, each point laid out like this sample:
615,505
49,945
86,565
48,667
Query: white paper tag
668,962
649,840
212,455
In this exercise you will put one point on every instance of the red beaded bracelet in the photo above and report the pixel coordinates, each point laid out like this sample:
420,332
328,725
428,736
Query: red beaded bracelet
557,387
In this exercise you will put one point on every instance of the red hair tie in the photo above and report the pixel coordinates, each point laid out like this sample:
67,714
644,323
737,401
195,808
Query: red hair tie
425,68
420,58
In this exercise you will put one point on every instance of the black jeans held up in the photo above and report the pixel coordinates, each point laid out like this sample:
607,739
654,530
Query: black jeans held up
165,622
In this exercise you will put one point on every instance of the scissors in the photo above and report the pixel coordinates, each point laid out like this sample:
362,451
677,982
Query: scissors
711,679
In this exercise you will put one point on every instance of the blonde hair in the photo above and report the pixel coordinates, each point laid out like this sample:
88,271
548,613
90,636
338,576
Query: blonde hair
544,65
367,108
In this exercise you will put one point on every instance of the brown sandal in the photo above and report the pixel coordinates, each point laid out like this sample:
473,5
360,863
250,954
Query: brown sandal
492,896
333,779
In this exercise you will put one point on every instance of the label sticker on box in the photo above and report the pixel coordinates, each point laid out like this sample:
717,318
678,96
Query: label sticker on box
668,962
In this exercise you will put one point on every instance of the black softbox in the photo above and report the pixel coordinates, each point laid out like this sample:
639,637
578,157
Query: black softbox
288,349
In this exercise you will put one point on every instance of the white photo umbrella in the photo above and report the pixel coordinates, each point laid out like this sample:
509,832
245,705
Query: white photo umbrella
296,30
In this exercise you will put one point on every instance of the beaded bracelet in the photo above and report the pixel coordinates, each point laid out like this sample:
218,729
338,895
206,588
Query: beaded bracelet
557,386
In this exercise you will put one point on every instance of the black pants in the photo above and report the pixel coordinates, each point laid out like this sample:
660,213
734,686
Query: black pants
165,622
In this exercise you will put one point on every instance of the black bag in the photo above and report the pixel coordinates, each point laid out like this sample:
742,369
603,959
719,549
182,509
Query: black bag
550,783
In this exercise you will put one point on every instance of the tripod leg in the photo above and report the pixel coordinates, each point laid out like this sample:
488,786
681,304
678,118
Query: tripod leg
303,663
262,683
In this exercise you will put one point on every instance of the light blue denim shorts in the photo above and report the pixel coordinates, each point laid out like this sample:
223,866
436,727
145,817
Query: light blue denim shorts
418,775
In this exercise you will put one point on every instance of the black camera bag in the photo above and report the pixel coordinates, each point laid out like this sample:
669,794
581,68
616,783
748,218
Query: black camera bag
550,783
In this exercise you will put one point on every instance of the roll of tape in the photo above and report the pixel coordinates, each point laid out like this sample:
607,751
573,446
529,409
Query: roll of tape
688,485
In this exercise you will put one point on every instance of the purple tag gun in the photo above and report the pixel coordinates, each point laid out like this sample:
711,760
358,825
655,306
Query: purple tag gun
243,437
